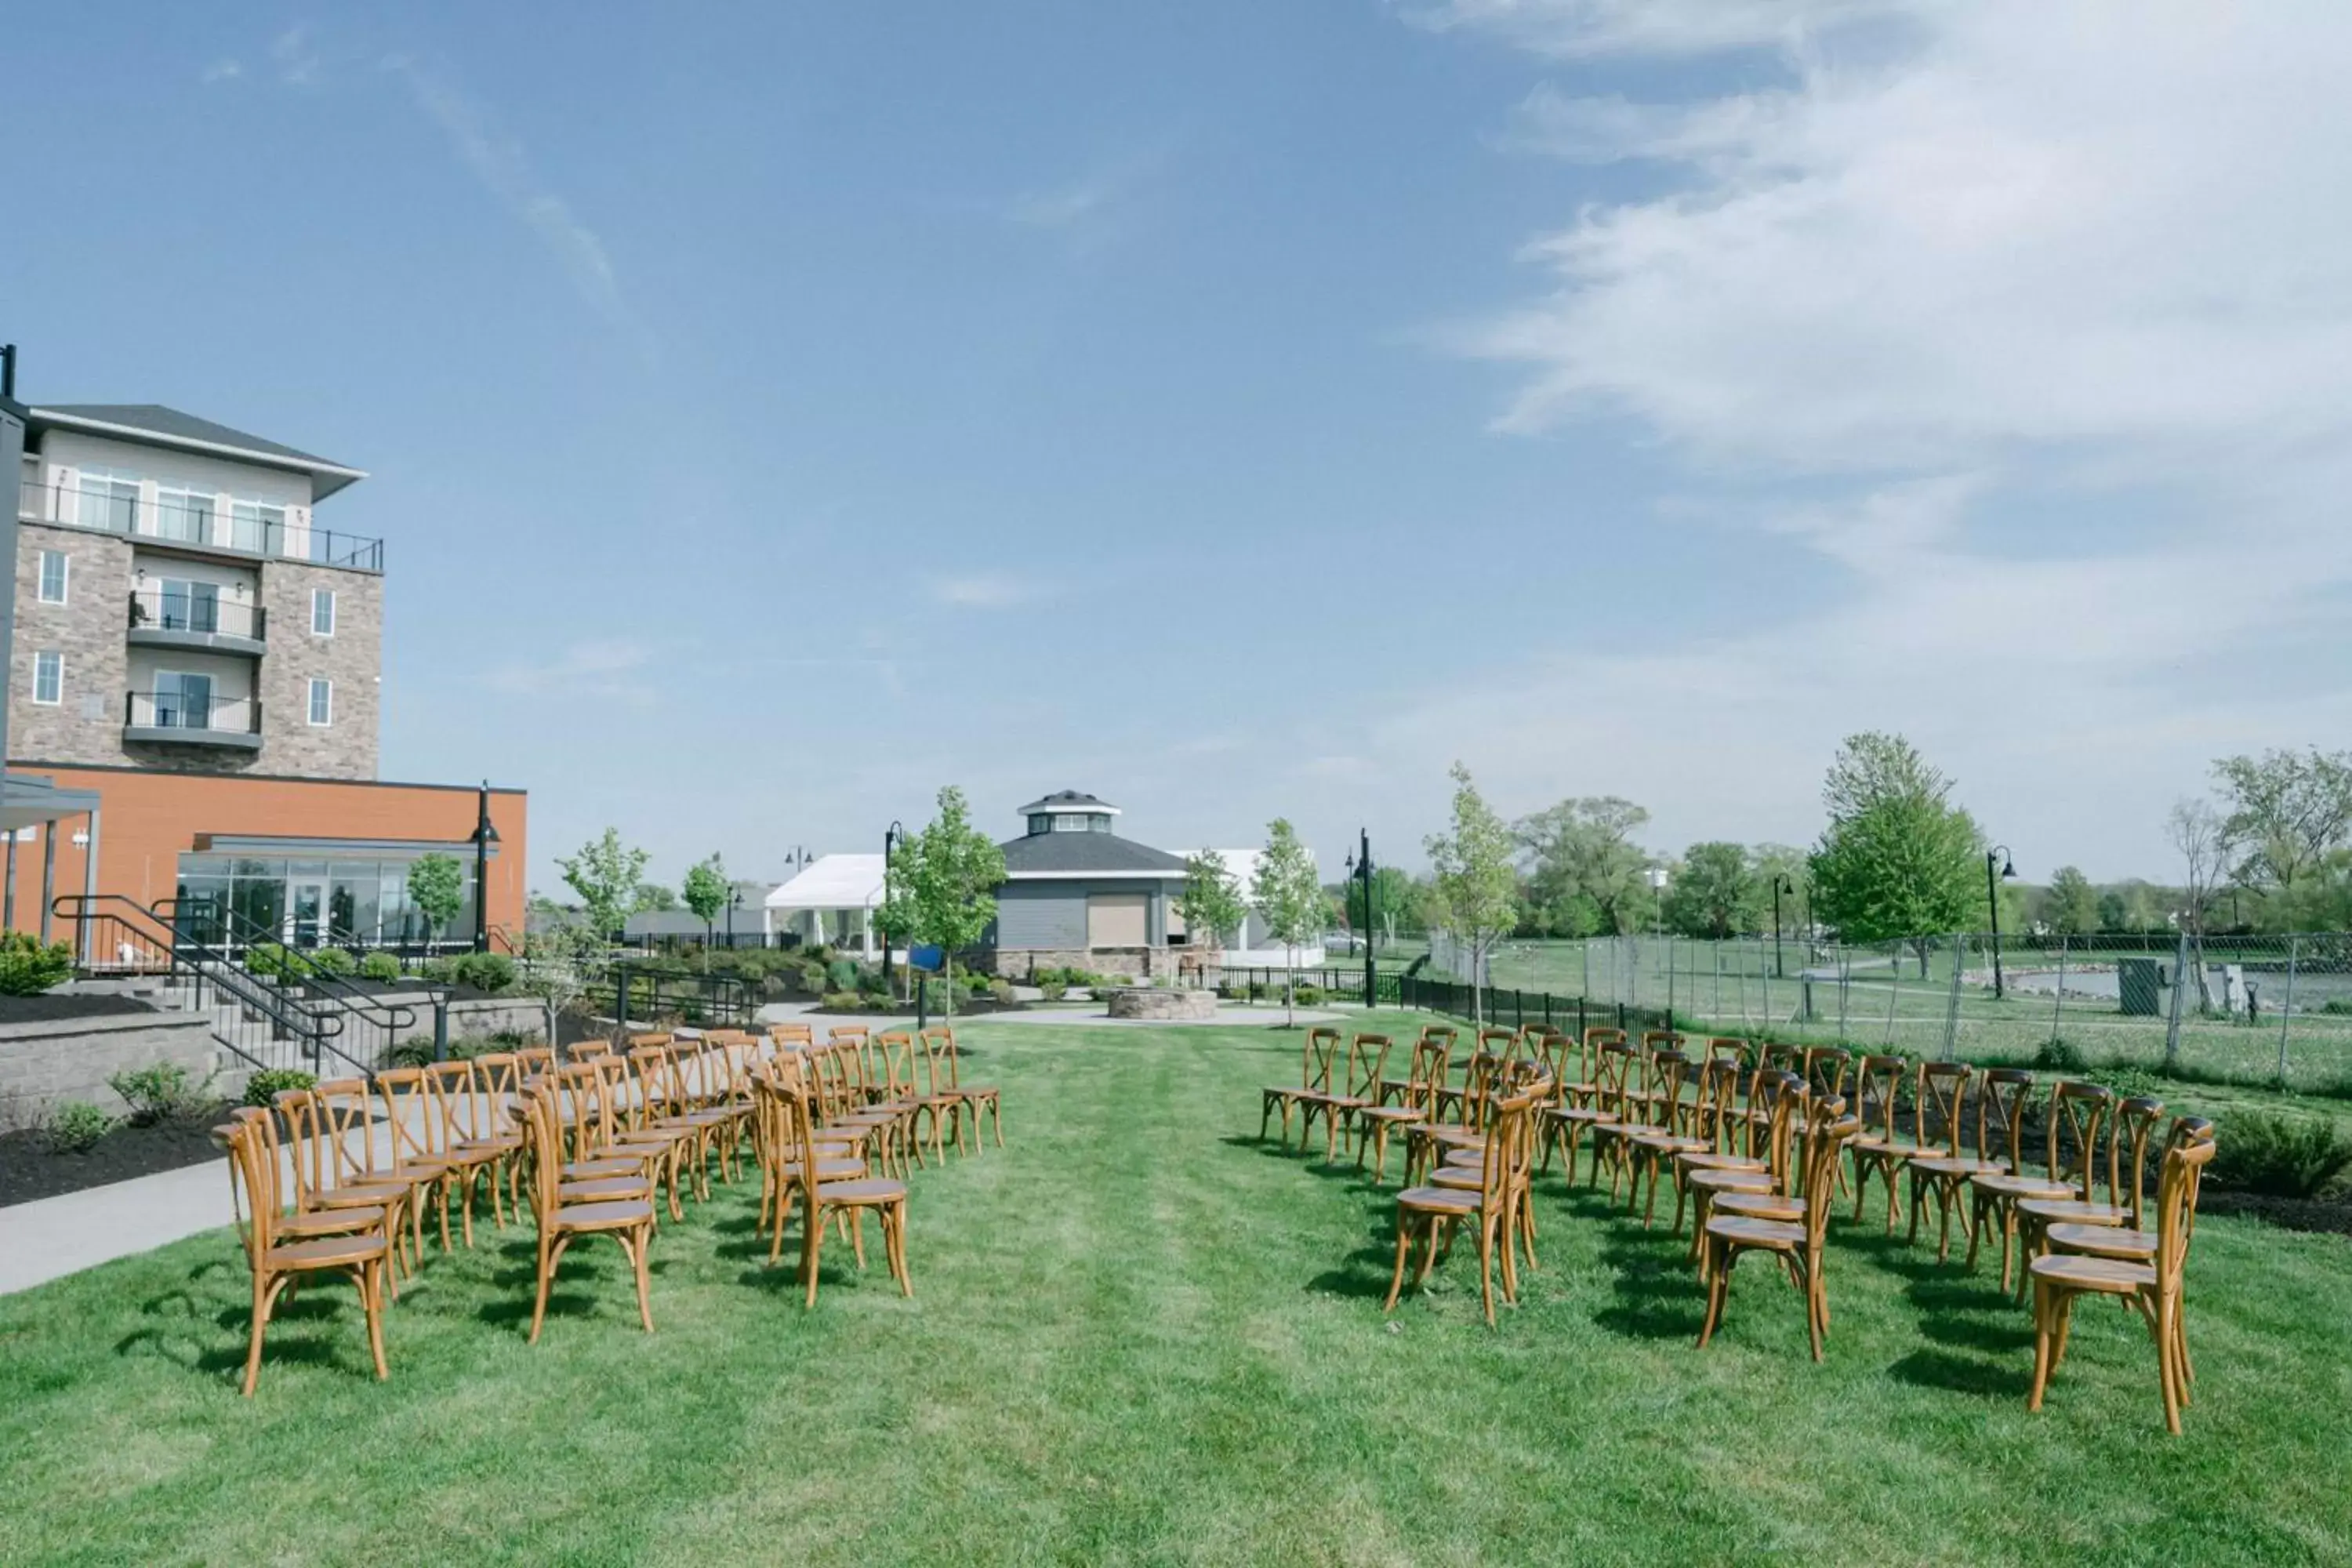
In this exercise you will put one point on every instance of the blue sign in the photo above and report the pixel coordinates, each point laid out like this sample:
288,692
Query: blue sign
930,958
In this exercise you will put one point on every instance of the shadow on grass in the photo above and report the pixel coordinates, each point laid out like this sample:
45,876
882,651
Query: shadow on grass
1964,1375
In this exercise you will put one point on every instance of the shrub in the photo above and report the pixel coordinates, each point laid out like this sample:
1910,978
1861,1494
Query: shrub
28,968
163,1092
1257,990
380,966
811,978
437,971
2337,1006
267,959
76,1125
843,1001
1052,990
268,1083
490,972
1002,993
840,974
417,1051
333,961
977,985
1308,996
2281,1156
2059,1055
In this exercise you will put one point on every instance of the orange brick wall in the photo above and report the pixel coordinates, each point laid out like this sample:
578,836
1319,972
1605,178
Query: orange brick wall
148,819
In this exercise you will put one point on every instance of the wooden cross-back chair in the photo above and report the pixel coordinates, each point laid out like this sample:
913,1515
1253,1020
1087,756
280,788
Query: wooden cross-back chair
978,1099
1366,1059
943,1111
629,1221
413,1115
1654,1109
1762,1166
781,1170
465,1135
1876,1150
1316,1051
1324,1073
533,1060
2130,1129
635,1122
589,1167
1676,1129
2132,1244
1574,1109
1396,1090
2155,1287
1582,1089
588,1050
820,1198
2070,1151
281,1247
1424,1069
331,1138
1619,1091
1797,1243
1938,1164
1999,1130
1431,1213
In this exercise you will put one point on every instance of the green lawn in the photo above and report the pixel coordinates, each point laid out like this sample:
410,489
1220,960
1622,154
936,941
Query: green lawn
1140,1336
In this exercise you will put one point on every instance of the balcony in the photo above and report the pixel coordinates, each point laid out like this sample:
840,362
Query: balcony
197,528
192,720
160,618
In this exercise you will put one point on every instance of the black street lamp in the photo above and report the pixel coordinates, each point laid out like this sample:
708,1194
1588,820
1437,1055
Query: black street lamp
1997,857
484,837
734,902
890,836
1780,884
1360,863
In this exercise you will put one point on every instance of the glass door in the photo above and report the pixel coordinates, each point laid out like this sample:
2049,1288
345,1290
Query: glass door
183,702
305,911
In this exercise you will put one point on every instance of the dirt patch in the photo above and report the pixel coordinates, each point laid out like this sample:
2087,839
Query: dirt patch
2331,1216
30,1169
55,1006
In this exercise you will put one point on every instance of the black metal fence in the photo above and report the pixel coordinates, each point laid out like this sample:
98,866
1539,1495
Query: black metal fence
1509,1008
645,993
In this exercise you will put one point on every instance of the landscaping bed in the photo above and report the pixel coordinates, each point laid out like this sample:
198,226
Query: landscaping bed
31,1168
54,1006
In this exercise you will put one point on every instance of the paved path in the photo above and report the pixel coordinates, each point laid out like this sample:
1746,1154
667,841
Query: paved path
1226,1016
45,1239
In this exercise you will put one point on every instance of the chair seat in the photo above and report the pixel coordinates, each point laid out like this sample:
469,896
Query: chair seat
1946,1166
1391,1114
830,1171
329,1251
1459,1178
1671,1142
2103,1241
1702,1159
1446,1200
1882,1148
874,1191
366,1194
2020,1187
1761,1205
1778,1235
1581,1113
328,1221
2105,1274
604,1215
493,1147
603,1189
1718,1179
2070,1211
1458,1137
598,1170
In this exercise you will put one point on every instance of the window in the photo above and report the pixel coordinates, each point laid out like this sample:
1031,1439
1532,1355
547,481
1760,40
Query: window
107,501
1039,822
322,612
49,678
191,607
185,514
254,527
322,701
53,577
183,702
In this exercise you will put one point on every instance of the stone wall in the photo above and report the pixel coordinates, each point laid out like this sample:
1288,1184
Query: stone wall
1133,962
72,1058
90,629
351,658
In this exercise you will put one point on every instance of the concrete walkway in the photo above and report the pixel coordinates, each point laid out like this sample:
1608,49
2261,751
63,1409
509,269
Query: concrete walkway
49,1237
1225,1017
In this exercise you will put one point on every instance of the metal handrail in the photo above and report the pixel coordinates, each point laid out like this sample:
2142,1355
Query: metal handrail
151,609
246,932
205,527
216,715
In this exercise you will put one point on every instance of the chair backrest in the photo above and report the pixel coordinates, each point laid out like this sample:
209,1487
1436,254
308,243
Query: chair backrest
2002,1095
542,1127
1783,1094
941,1042
1601,1035
1669,1072
1428,1072
1877,1088
588,1050
1320,1054
1729,1048
1941,1090
1368,1060
897,1049
345,1108
575,1093
1447,1032
306,1140
651,1037
1482,1084
2128,1132
500,1073
2175,1203
1614,1074
1825,1069
2070,1134
1716,1107
651,1074
1509,1153
1828,1127
410,1105
1502,1043
845,1034
531,1060
1556,1051
1781,1058
783,1035
449,1090
253,1179
1656,1040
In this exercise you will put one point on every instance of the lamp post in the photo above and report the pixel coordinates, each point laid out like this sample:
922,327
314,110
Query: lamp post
1780,884
484,837
1997,857
1360,863
1658,933
734,902
890,836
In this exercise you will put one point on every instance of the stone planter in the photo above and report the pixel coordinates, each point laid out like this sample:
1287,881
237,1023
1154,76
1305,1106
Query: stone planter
1163,1003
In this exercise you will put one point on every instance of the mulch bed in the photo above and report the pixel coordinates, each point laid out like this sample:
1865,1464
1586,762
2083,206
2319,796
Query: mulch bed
30,1169
51,1008
2329,1216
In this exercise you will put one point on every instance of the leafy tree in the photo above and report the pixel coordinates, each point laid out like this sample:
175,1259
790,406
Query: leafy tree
2197,832
1771,860
1897,859
1211,903
436,885
941,889
706,891
1584,848
1392,902
2285,810
1715,894
2071,907
2130,905
1284,889
1477,886
606,874
652,898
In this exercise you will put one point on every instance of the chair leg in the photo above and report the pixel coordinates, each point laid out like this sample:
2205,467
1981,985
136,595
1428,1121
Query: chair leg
1719,1286
1810,1269
1487,1266
894,1225
812,1242
262,1295
371,1281
639,1245
2041,1345
550,1252
1404,1249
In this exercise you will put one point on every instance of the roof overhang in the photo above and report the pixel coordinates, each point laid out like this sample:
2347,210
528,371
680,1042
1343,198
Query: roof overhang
1082,875
28,802
369,848
326,477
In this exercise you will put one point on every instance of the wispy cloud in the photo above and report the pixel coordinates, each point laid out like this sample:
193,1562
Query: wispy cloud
1096,205
223,71
612,672
984,590
505,170
296,58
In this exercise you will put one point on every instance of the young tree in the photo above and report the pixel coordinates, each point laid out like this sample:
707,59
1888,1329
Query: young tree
436,887
1583,849
2286,811
1715,894
1897,859
1211,903
941,885
1477,886
706,893
1286,890
2196,831
2070,907
604,874
563,961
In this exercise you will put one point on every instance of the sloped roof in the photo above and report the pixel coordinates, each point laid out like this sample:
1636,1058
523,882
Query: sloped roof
1078,854
833,882
1069,800
172,427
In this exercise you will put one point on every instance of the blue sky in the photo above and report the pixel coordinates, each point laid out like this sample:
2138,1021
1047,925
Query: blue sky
1238,409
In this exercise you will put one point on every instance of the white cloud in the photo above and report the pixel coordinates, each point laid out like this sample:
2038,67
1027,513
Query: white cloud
505,170
223,71
296,59
2047,309
983,591
610,671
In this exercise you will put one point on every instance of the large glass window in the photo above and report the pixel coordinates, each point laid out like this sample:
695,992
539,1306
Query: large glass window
322,612
107,501
185,514
191,607
183,701
258,900
254,527
203,903
354,901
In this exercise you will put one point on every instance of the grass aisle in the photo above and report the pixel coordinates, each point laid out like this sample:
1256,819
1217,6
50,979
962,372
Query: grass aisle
1140,1336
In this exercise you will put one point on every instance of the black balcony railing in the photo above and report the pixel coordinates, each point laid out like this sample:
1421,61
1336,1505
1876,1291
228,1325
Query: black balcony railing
112,507
216,715
165,610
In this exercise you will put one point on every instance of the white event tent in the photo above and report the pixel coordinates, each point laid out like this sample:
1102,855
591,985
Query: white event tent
833,901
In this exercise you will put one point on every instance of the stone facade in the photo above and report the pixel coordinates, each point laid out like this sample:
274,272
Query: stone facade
43,1064
1167,1003
91,630
1131,962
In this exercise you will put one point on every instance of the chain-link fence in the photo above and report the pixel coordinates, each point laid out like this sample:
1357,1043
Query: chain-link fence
2254,1009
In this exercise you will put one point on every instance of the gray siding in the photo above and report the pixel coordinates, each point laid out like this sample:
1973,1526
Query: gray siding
1041,914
